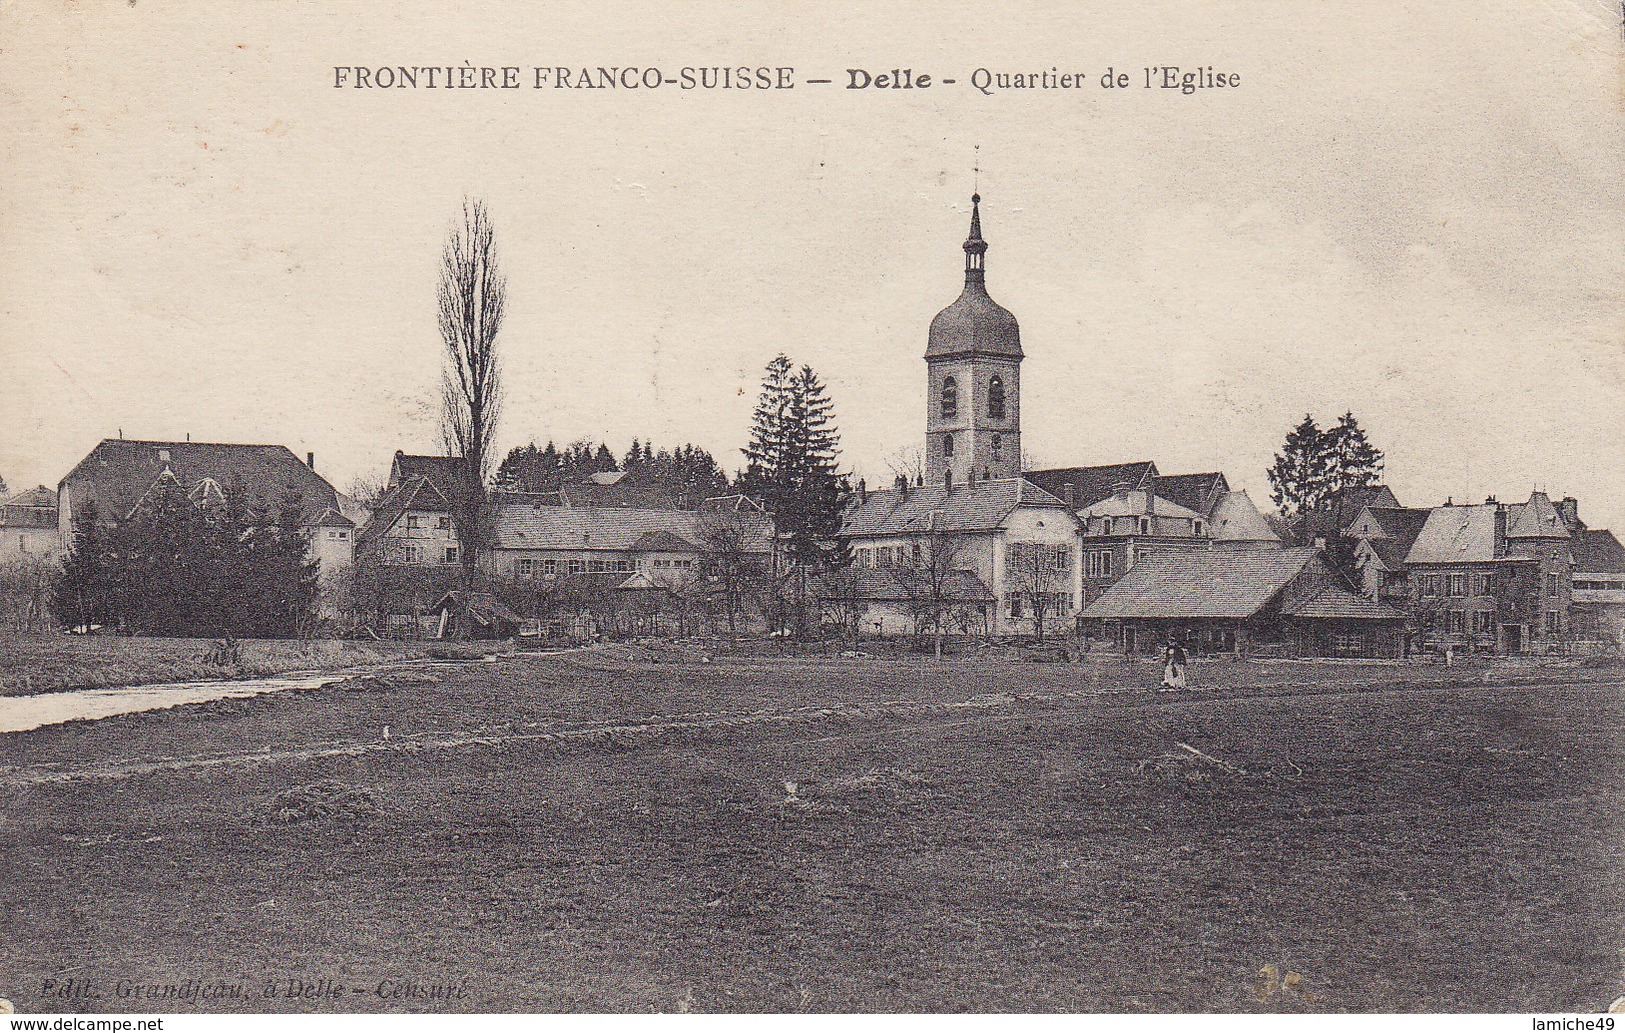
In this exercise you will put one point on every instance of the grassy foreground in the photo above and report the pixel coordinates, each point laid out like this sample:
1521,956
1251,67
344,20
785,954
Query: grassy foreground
57,662
587,833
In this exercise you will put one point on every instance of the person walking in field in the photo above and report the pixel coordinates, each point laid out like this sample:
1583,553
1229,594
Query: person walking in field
1173,671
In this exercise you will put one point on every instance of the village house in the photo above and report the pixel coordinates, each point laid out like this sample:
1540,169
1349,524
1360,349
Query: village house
1599,587
118,474
1005,541
1382,537
1496,577
28,526
1248,602
411,525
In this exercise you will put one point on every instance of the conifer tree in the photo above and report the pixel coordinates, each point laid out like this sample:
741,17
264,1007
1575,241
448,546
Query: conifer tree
1352,460
1298,480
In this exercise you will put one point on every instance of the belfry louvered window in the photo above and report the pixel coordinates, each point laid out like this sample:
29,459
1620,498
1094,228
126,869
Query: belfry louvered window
995,398
950,398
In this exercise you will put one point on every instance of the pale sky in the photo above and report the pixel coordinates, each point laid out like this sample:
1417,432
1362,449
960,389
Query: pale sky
1411,210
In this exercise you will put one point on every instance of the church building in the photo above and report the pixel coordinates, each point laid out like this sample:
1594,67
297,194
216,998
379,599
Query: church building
973,544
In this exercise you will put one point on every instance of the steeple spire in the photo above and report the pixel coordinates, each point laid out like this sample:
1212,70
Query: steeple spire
975,246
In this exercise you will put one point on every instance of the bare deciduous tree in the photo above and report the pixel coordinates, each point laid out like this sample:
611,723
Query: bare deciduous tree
931,573
1040,573
472,296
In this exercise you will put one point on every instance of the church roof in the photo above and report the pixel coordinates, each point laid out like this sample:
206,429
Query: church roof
974,324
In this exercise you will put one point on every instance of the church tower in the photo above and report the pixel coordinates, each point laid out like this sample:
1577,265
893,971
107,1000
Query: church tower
973,363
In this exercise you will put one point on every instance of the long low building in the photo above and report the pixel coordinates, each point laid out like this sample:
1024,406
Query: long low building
1268,600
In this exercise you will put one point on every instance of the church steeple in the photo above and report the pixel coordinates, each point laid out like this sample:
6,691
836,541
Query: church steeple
975,246
973,360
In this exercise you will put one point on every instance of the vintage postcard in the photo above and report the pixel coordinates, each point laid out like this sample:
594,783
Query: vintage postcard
863,508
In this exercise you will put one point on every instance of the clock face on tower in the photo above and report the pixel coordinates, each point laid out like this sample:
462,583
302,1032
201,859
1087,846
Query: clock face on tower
973,411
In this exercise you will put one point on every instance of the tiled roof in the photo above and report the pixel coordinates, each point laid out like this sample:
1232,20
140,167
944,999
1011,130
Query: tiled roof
442,471
1396,522
634,489
1205,583
1332,519
333,518
1191,490
615,530
1335,602
1090,484
118,473
482,606
978,506
1537,518
1598,552
417,492
1136,503
663,541
1456,534
34,498
1236,519
899,584
1390,552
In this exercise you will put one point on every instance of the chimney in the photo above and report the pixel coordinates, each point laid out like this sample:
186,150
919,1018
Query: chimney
1069,492
310,460
1498,547
919,480
863,491
902,485
1451,501
1569,508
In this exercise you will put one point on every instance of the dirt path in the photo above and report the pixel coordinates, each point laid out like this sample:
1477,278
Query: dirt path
979,708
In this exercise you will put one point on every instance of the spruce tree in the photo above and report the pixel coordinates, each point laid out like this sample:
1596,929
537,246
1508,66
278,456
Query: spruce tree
1352,460
1298,480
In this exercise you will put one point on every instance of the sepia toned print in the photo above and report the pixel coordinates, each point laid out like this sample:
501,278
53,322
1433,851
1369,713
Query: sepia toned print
884,509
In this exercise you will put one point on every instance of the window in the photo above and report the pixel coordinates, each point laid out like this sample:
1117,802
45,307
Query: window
948,446
1145,525
1554,622
550,567
444,523
1455,585
998,445
917,554
413,520
1481,584
1428,584
1197,528
1014,602
1553,585
337,536
1483,622
451,555
950,398
1456,622
577,566
524,566
995,398
412,554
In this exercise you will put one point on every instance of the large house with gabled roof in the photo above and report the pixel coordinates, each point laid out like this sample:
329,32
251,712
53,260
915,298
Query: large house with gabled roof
119,474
